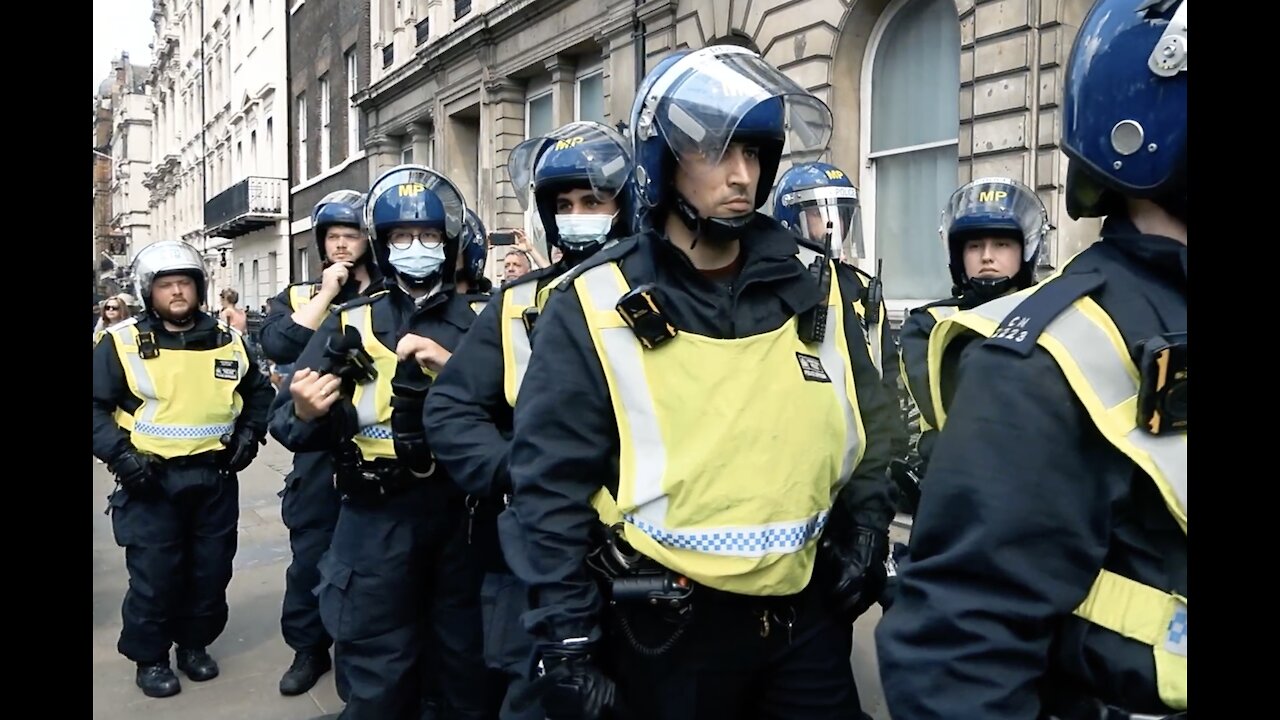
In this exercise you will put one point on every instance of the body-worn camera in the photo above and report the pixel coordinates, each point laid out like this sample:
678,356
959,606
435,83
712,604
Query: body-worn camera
641,309
1162,385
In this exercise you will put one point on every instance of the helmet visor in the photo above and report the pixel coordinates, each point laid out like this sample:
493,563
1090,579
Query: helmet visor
829,209
597,153
699,103
341,197
997,204
415,178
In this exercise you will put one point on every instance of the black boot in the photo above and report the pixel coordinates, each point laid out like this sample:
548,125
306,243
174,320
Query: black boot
197,664
157,680
305,671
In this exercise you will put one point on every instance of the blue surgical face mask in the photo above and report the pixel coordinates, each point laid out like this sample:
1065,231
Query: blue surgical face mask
582,231
417,261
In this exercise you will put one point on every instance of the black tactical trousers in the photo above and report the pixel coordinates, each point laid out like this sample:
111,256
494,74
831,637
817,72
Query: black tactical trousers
178,548
392,577
309,508
737,658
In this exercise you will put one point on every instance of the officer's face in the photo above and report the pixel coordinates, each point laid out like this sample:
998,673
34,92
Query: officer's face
817,225
344,244
584,201
723,189
173,296
993,257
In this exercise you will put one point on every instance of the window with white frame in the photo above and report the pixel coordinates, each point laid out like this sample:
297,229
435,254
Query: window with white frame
304,265
253,152
324,123
539,114
406,153
302,137
353,116
910,132
588,96
268,152
251,300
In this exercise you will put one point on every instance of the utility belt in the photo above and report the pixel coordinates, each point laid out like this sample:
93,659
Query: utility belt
631,579
1092,709
364,480
208,458
634,584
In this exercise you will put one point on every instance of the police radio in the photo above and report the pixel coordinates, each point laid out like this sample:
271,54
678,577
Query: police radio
812,323
875,296
1162,384
641,310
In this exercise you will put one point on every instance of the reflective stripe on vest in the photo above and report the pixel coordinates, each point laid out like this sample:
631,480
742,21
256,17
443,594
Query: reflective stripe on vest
913,365
693,489
1150,616
372,399
190,398
515,339
1092,355
300,295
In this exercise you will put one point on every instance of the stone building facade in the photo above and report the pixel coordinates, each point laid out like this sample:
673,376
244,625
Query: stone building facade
926,94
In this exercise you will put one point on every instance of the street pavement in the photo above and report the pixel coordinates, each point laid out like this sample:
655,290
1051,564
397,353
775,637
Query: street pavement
251,653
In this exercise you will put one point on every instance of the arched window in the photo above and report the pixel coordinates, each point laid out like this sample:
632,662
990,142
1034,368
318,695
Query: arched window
910,137
737,38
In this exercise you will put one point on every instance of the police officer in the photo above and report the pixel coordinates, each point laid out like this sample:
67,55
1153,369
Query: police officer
818,199
393,569
992,229
309,502
1065,480
700,415
470,280
579,174
472,286
175,455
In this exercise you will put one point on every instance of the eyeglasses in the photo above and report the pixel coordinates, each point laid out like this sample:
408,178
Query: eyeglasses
403,239
111,307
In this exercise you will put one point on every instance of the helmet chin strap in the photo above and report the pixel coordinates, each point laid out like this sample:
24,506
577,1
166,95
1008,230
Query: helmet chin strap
572,258
988,288
717,230
429,281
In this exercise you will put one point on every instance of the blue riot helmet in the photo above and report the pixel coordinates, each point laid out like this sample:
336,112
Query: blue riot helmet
410,199
474,248
993,207
342,208
580,155
809,196
1124,115
692,105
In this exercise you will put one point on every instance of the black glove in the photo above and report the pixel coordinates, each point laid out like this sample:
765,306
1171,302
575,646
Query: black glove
856,568
906,480
407,431
577,689
241,449
136,473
